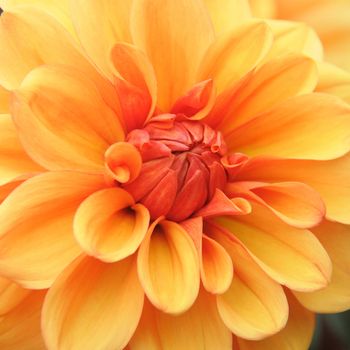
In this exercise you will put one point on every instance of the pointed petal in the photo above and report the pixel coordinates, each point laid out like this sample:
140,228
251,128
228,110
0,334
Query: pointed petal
336,296
63,120
295,128
166,31
71,310
109,226
168,267
43,204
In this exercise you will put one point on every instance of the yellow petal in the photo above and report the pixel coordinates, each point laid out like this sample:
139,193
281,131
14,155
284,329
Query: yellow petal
263,8
63,121
314,126
93,305
20,327
254,306
226,14
109,225
168,267
296,335
336,296
36,230
174,35
4,100
99,26
235,53
198,328
280,249
14,160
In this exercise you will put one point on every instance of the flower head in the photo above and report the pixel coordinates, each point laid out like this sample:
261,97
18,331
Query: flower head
173,176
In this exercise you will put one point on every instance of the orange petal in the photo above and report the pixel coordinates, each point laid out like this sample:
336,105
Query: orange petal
4,100
198,328
296,335
270,84
329,178
280,251
63,120
314,126
227,14
109,226
295,203
44,203
123,162
137,90
103,301
254,306
166,32
14,161
336,296
99,26
20,327
168,267
234,54
7,188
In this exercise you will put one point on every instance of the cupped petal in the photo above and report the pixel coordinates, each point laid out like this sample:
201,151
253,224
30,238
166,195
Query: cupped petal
63,121
168,267
296,335
174,42
335,297
36,231
293,257
14,161
275,81
4,100
329,178
235,53
295,203
20,327
254,306
109,225
314,126
198,328
103,301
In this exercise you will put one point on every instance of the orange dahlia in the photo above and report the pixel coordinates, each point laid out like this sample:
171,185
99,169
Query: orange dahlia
173,175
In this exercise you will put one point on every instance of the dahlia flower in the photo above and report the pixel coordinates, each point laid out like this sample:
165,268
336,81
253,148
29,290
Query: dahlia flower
174,175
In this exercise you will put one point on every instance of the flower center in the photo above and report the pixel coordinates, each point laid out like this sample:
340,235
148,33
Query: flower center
181,166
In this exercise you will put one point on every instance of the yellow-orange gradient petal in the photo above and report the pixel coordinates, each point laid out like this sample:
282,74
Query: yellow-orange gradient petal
93,305
168,267
280,251
20,327
198,328
254,306
296,335
235,53
314,126
4,100
63,121
36,230
335,297
174,35
14,160
109,225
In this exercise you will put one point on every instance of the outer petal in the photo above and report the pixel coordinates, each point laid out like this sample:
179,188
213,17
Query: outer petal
254,306
296,335
315,126
14,161
336,296
92,306
198,328
329,178
168,267
63,121
280,249
109,226
4,100
36,226
175,35
235,53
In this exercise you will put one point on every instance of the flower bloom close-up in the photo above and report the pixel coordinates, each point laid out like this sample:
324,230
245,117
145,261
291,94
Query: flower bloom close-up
174,174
